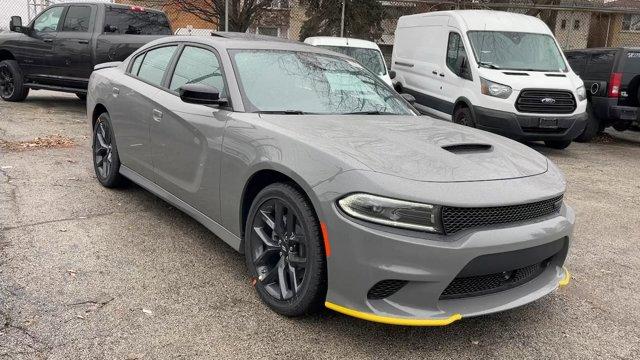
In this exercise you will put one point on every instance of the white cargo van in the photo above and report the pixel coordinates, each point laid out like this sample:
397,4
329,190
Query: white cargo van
498,71
365,52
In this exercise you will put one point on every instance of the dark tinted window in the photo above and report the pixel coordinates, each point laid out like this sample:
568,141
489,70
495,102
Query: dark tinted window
601,62
155,64
632,62
77,19
455,48
577,60
198,66
135,21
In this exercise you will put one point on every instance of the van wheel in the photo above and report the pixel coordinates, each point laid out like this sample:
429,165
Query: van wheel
463,116
592,127
12,82
558,144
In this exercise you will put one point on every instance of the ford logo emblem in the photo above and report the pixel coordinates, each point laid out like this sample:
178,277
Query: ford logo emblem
548,101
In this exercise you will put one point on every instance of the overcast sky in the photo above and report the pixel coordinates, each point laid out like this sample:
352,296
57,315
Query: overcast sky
9,8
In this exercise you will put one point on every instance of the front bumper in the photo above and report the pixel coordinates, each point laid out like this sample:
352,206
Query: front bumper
364,254
528,127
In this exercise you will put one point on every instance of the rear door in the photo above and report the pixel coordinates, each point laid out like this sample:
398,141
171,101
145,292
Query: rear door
187,138
72,47
136,99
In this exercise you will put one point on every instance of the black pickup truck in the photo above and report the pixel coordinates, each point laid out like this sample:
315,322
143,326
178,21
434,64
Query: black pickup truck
612,79
60,47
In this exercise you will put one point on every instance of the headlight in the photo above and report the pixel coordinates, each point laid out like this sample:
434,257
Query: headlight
392,212
494,89
582,94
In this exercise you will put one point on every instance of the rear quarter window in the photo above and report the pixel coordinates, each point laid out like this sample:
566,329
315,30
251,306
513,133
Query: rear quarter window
601,62
578,61
135,21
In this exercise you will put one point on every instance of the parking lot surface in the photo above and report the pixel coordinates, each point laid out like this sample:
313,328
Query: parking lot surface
92,273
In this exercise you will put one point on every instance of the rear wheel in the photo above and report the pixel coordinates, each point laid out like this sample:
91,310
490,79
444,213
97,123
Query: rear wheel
558,144
12,82
592,128
463,116
106,162
284,252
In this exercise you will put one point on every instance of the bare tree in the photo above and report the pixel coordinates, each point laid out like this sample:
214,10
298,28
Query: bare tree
242,13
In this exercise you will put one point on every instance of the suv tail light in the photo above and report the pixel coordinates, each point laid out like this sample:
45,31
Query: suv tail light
615,82
137,9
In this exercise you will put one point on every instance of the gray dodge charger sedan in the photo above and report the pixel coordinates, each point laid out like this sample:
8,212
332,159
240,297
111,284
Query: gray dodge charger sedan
336,191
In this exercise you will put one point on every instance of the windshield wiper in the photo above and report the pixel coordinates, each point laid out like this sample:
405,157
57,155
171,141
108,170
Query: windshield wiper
283,112
374,112
488,65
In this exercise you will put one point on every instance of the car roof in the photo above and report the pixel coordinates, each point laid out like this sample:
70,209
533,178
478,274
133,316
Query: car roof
341,41
599,49
249,36
487,20
228,43
109,4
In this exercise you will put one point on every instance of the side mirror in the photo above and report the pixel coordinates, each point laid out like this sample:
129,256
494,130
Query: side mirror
16,24
392,74
201,94
409,98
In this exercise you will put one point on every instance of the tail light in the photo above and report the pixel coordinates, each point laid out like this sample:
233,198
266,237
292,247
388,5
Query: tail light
615,82
137,9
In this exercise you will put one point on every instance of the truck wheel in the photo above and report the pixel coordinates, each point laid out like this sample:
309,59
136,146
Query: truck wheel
592,127
463,116
558,144
12,82
622,125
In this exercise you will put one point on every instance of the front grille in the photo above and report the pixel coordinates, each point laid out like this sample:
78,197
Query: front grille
385,288
546,102
462,287
456,219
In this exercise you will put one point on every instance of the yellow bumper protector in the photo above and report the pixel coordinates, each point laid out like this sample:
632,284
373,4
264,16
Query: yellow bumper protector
392,320
566,278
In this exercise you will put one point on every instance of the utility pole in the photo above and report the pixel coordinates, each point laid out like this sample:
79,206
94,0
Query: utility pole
344,3
226,15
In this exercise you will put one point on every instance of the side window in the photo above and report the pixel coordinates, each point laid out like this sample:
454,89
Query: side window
155,63
456,55
577,60
136,64
48,20
77,19
601,62
198,66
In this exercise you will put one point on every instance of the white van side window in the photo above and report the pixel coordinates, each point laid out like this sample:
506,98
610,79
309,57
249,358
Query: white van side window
455,53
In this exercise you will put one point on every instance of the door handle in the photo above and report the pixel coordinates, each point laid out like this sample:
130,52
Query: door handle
434,72
116,92
441,74
157,115
83,41
47,40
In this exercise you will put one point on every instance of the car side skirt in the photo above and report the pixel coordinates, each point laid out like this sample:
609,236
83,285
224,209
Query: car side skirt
220,231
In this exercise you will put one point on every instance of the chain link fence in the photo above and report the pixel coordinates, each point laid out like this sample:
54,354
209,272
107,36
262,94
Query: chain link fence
576,23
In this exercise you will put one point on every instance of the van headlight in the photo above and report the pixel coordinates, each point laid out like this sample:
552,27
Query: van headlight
494,89
392,212
582,93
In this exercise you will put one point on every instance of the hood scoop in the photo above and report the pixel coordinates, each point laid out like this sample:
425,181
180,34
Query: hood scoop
466,148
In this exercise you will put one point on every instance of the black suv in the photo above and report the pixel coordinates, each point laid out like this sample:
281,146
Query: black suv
612,79
60,47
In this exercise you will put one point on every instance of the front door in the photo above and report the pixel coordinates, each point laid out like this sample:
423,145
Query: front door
73,55
187,138
36,53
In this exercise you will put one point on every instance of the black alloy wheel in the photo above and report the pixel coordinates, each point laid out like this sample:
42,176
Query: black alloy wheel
7,82
106,162
284,251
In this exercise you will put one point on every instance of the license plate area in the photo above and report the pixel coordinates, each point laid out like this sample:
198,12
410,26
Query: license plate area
548,123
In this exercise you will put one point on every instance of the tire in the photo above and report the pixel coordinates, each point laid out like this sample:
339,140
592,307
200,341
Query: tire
106,162
592,127
12,82
463,116
272,247
82,96
622,125
558,144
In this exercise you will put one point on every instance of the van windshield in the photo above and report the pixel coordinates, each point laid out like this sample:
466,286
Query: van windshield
516,51
369,58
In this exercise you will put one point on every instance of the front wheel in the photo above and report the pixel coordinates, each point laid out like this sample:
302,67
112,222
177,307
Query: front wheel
284,252
558,144
12,82
463,116
106,161
592,128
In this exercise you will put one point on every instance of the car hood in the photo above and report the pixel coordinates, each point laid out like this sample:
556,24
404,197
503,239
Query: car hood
519,80
414,147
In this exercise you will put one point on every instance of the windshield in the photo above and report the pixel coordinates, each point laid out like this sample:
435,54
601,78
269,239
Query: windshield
369,58
516,51
305,82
